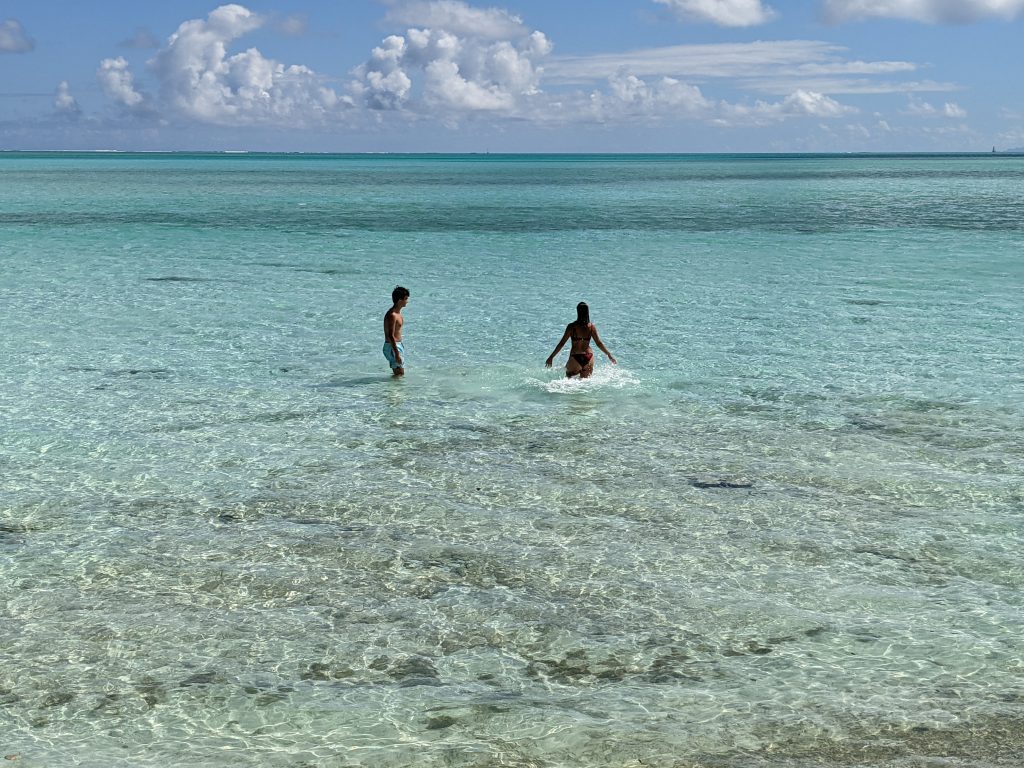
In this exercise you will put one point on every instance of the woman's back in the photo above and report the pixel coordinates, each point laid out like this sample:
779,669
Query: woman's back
581,334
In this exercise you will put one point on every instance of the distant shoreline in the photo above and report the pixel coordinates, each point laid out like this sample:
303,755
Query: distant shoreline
243,153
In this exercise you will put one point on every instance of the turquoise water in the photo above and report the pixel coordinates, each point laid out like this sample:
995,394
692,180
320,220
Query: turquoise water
785,530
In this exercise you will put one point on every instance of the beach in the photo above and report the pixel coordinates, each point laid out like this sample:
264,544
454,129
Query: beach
784,531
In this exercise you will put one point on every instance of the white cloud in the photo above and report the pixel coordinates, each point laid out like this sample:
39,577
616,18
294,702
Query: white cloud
458,62
199,80
782,85
458,18
448,72
929,11
461,62
725,13
954,110
629,95
385,85
13,38
814,104
117,82
799,104
855,68
778,68
919,108
64,102
802,58
446,86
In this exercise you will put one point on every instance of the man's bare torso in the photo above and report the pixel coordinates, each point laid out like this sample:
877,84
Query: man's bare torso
393,322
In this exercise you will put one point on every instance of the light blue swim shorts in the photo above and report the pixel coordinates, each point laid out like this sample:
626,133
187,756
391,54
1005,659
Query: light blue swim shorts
389,353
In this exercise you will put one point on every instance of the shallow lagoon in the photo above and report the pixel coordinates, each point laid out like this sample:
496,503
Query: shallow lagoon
784,531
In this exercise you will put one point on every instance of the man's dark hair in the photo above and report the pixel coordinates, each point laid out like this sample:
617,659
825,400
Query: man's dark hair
399,293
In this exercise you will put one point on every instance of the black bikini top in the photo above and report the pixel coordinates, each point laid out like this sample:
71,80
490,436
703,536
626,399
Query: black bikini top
588,337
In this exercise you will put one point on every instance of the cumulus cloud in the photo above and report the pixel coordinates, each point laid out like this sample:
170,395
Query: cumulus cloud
920,108
13,38
810,103
118,83
384,83
63,102
628,94
800,103
199,80
473,61
467,60
455,61
724,13
928,11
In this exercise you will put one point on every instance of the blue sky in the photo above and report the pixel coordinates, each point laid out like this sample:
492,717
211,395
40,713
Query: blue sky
517,76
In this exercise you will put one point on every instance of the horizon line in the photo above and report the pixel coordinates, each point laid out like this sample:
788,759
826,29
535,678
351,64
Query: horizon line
243,152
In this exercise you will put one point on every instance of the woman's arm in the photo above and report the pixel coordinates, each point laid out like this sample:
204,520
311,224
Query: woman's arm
561,343
601,346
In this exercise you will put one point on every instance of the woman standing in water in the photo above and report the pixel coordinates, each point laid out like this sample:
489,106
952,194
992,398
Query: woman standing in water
581,359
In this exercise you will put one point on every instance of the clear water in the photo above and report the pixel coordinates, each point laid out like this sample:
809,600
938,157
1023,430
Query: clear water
785,530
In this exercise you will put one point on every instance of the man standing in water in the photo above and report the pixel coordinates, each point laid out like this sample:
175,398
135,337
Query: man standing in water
393,322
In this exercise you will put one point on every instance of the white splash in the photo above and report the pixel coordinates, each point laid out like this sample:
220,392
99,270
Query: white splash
605,377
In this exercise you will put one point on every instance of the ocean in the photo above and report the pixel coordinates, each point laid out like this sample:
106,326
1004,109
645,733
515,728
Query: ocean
785,530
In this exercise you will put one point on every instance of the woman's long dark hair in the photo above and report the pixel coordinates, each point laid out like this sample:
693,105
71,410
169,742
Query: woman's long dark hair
583,315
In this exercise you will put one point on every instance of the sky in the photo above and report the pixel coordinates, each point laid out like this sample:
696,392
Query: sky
515,76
